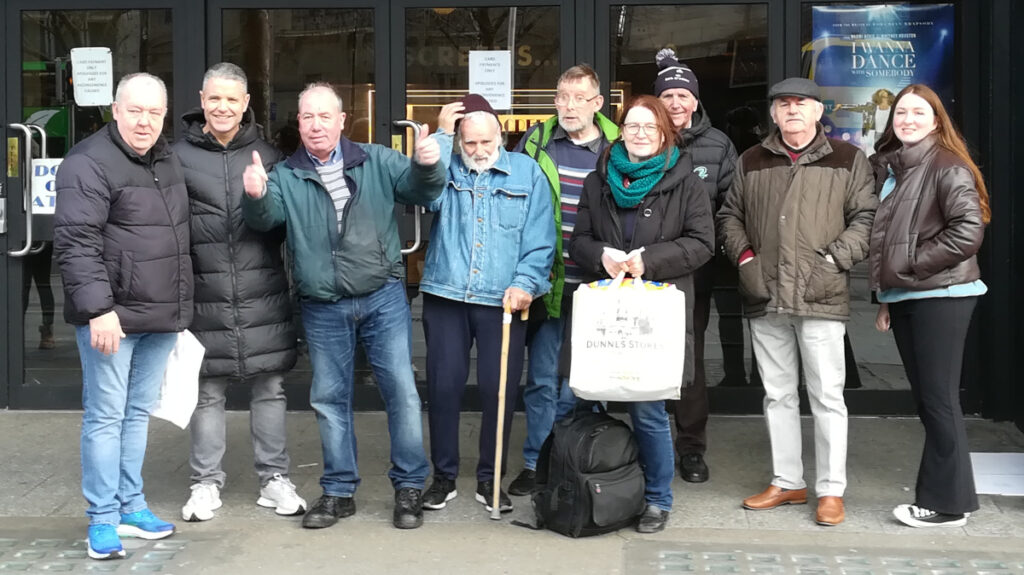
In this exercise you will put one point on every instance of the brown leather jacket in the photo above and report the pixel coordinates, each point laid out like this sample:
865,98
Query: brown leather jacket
929,228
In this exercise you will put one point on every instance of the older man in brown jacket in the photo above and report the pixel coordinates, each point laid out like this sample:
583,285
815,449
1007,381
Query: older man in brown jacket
795,220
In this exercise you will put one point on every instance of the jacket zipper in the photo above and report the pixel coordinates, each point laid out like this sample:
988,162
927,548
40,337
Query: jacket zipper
231,266
177,245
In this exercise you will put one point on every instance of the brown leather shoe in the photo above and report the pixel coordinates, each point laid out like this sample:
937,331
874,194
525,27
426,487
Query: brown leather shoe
830,510
773,497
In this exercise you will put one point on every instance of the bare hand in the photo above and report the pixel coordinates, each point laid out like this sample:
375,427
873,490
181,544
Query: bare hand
450,113
255,177
612,267
882,319
635,266
427,150
105,333
516,299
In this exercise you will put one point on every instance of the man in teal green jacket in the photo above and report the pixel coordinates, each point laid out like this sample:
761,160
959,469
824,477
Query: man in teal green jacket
566,146
337,199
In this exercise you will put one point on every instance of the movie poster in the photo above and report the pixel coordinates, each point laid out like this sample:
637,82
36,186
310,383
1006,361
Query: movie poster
862,56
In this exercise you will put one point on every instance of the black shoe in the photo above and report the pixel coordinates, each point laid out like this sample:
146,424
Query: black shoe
408,508
441,491
692,468
524,483
652,521
485,495
327,510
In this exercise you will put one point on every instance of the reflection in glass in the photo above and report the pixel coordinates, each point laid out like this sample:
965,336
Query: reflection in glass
140,41
726,47
283,50
438,42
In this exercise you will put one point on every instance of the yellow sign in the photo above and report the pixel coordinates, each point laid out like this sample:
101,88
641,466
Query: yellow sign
396,142
12,157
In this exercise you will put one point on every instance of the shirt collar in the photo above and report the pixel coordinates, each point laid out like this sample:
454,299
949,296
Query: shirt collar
593,145
334,158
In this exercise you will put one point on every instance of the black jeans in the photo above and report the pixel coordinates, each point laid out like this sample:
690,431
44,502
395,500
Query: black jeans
930,334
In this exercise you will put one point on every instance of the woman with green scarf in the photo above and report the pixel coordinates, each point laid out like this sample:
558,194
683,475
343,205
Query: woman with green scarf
642,195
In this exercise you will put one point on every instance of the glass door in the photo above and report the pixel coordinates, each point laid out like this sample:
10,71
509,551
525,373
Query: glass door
43,119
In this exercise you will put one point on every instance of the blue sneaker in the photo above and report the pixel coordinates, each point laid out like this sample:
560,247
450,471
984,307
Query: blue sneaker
144,525
104,542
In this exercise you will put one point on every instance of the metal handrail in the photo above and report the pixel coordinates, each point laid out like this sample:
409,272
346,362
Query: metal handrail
417,210
26,185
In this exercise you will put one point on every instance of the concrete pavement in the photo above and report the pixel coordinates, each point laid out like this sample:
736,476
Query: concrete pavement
42,518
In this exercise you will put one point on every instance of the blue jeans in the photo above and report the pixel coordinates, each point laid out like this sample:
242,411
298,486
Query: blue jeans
118,391
546,395
382,323
654,437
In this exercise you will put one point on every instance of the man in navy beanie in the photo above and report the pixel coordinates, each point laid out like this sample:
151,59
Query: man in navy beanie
713,159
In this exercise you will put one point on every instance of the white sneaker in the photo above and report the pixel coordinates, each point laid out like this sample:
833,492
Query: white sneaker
915,516
205,499
279,493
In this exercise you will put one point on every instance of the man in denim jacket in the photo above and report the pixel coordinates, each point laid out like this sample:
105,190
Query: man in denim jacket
492,243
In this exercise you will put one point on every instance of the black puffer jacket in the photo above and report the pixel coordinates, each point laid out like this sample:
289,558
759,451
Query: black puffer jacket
674,225
243,308
709,154
121,235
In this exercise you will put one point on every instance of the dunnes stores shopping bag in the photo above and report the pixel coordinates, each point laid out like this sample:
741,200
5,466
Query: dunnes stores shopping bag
627,340
179,391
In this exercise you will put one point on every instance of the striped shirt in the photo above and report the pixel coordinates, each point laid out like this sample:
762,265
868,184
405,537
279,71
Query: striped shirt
574,162
333,177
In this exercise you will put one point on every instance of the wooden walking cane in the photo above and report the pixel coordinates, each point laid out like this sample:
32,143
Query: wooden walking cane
506,325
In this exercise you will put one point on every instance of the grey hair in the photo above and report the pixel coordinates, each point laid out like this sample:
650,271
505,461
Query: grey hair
320,86
226,71
475,116
128,78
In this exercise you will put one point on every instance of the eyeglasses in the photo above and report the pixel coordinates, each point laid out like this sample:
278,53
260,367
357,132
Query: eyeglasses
633,129
578,99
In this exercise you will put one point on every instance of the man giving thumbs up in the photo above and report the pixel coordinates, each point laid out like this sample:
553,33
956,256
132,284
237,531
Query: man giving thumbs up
336,198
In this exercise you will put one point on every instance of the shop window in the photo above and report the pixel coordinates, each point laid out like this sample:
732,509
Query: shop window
283,50
438,44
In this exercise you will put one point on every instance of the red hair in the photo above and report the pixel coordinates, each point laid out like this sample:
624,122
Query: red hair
949,138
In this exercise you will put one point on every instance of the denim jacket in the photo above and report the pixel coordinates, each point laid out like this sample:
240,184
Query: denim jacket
492,231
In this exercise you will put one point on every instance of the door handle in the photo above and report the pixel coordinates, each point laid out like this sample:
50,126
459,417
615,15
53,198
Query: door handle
26,188
42,156
417,210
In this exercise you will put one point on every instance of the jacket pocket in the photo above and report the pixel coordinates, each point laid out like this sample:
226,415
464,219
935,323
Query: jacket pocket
124,275
752,285
510,207
826,281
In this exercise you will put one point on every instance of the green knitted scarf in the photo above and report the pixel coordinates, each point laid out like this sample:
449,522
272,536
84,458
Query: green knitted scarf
642,176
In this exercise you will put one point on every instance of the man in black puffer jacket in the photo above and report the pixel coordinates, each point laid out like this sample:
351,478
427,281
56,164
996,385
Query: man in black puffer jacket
122,242
713,158
243,309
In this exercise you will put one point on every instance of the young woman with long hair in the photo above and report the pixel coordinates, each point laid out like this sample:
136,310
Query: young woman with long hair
929,225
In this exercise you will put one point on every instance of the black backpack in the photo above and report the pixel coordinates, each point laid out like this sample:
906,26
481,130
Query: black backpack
589,481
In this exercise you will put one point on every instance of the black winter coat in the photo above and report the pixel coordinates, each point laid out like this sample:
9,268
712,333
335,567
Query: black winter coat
121,235
243,308
674,225
709,154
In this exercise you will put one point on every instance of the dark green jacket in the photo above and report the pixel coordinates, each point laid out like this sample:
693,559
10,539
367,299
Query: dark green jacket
328,265
536,147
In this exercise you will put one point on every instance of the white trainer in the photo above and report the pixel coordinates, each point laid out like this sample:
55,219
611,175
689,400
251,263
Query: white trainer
280,494
205,499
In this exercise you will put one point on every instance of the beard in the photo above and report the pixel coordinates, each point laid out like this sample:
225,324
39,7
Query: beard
482,164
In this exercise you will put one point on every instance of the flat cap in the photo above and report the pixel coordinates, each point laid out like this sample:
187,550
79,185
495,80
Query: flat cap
799,87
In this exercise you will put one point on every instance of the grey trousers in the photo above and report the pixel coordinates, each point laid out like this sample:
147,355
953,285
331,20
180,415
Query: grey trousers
267,407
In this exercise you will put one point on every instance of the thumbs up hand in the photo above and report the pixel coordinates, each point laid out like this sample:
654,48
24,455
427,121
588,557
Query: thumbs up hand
427,151
255,177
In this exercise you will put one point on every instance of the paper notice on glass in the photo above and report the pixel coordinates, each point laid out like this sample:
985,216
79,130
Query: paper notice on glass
490,75
92,75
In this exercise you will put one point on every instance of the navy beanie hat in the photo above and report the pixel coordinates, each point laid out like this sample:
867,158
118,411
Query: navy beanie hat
672,74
